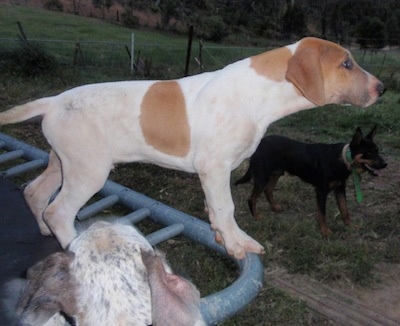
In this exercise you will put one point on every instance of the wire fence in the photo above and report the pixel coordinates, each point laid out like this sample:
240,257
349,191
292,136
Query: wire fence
168,61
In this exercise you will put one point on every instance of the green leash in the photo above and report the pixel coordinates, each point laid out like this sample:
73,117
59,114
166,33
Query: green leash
356,177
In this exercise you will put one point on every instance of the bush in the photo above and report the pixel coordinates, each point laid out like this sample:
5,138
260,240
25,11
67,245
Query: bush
211,28
27,59
129,19
371,33
54,5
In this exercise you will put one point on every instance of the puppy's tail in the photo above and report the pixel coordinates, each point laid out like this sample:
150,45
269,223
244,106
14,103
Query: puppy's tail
28,111
246,178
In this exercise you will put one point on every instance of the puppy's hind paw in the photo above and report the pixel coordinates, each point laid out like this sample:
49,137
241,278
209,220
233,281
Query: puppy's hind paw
44,229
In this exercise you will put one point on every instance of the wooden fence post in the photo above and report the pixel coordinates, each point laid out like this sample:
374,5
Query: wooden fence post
78,51
189,50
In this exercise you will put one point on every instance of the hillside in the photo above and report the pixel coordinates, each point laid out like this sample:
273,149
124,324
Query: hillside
367,22
87,9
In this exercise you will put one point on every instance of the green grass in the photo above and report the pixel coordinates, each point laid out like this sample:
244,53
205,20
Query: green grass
40,23
292,238
164,54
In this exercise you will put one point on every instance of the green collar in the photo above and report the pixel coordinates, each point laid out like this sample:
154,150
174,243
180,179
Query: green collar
356,175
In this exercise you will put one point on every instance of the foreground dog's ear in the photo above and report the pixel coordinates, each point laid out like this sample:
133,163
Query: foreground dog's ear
372,133
175,301
50,289
305,72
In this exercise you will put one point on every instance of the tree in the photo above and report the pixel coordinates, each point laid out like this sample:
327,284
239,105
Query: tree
393,31
128,17
54,5
76,6
371,33
294,21
103,5
168,9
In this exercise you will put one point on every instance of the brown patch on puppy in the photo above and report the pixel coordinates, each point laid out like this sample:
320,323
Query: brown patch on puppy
272,64
305,71
163,119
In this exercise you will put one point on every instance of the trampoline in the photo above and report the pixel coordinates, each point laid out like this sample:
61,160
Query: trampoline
22,244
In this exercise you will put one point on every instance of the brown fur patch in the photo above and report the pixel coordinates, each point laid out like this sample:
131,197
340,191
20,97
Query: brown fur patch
330,54
326,77
358,163
163,119
272,64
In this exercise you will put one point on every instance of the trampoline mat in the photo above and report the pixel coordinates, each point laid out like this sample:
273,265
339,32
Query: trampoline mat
21,244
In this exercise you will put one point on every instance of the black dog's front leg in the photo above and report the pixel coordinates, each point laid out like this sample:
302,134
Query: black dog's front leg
340,195
322,195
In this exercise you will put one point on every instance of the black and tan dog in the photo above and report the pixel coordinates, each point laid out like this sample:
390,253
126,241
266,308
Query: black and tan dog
325,166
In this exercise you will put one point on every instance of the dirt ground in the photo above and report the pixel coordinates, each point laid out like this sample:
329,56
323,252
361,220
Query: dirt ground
342,302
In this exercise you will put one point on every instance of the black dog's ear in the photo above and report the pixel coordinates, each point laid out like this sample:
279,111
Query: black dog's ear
372,133
357,136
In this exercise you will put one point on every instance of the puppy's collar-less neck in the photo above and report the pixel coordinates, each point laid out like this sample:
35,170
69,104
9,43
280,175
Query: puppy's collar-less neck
348,160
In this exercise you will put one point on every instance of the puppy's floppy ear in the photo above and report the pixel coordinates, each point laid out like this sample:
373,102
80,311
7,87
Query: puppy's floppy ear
305,72
372,133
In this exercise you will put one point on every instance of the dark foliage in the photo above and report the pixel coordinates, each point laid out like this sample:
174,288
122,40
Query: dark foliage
294,21
27,59
370,23
129,19
54,5
371,33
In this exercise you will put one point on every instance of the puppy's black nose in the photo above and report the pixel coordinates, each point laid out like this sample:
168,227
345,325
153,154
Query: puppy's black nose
380,88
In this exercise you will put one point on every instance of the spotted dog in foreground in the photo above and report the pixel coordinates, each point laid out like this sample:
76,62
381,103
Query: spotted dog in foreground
109,276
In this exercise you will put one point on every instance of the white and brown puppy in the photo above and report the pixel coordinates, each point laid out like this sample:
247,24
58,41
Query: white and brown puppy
207,124
110,276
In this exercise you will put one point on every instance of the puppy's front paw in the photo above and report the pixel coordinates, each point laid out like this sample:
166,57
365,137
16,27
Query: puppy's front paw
238,243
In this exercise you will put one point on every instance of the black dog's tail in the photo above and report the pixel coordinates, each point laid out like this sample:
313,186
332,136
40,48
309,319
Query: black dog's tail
246,178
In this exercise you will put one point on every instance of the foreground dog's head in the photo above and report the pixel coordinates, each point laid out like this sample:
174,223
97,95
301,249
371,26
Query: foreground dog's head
365,153
320,69
111,276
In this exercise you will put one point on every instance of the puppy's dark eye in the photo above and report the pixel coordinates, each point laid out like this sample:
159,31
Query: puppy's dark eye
348,64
